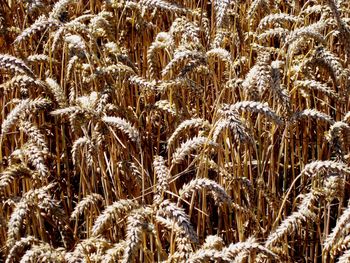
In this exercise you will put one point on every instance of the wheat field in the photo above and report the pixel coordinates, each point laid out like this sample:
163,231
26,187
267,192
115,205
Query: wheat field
174,131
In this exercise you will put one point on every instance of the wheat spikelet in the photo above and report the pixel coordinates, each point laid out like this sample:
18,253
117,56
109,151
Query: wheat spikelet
123,126
180,57
143,83
220,9
279,18
11,172
57,91
258,5
331,63
219,37
163,41
40,58
342,227
14,116
40,24
278,90
87,153
112,213
103,100
222,54
176,83
99,25
312,113
345,257
279,32
137,224
85,203
249,246
337,127
59,8
43,252
184,247
167,223
339,132
44,201
207,255
15,65
310,31
72,110
312,9
317,86
163,175
36,156
113,254
328,167
183,126
239,130
343,27
34,135
164,5
76,27
87,248
215,189
19,214
229,254
76,43
213,242
178,215
188,146
185,29
255,107
119,70
182,240
24,107
22,81
73,61
341,245
19,247
57,37
333,188
294,220
259,76
165,106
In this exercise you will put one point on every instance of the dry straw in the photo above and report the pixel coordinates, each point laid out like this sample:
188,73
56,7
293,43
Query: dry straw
112,151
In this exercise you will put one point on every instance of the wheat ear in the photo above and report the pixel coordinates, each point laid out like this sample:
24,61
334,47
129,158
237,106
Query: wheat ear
170,210
112,213
294,220
188,146
15,64
137,224
342,226
85,203
214,188
10,173
187,124
19,248
163,175
44,252
124,126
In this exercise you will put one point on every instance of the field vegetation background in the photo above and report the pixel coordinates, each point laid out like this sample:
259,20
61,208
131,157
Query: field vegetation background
174,131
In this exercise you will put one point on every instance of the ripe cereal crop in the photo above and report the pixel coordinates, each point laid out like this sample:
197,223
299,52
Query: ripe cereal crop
174,131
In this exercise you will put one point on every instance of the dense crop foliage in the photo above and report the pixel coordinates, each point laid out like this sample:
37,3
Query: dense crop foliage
174,131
